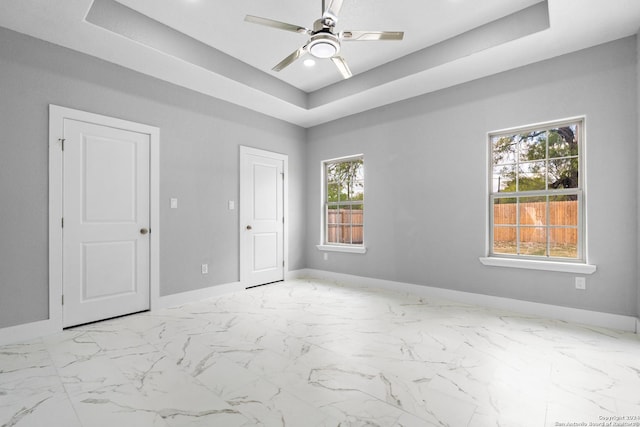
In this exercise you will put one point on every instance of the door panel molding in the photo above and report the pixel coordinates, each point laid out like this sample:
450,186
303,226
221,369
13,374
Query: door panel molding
57,116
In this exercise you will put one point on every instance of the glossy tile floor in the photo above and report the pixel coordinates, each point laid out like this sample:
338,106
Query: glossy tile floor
309,353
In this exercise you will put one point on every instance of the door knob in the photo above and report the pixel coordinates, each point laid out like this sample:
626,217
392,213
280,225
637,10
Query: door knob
249,227
144,231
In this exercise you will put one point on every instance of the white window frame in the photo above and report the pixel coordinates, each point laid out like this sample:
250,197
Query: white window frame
577,265
358,248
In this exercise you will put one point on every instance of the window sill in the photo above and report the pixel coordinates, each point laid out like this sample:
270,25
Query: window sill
340,248
564,267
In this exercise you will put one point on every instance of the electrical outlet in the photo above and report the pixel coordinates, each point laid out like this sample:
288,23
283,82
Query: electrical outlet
205,268
174,203
581,283
326,256
231,205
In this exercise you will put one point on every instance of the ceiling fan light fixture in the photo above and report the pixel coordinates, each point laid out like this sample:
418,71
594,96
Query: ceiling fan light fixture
323,50
324,46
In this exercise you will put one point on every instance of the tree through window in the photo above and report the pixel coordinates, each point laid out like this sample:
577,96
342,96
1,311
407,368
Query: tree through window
536,192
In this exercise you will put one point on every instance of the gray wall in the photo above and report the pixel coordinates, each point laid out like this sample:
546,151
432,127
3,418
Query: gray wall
426,174
425,165
199,158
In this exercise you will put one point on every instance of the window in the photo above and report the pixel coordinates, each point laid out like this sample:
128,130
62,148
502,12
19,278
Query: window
343,194
536,192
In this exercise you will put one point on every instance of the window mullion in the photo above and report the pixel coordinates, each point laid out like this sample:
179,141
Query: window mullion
538,193
546,161
518,225
581,230
548,225
547,205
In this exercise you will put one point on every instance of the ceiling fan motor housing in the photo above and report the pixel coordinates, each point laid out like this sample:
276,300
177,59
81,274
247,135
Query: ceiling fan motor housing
323,43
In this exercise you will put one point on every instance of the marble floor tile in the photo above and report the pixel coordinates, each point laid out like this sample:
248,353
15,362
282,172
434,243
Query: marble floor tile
35,401
313,353
269,405
23,361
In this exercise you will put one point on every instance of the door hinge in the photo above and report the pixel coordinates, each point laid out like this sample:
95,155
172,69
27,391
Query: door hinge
62,140
62,222
283,263
62,299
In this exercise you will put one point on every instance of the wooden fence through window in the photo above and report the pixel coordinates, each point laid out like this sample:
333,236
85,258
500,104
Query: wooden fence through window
563,217
345,226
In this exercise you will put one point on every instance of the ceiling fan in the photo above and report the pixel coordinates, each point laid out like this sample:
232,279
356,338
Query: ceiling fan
324,42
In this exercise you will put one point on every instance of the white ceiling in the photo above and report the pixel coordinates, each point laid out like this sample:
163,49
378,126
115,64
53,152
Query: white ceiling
221,25
443,45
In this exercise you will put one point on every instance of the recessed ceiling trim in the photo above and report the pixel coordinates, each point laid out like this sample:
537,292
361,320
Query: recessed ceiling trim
124,21
135,26
520,24
120,19
573,27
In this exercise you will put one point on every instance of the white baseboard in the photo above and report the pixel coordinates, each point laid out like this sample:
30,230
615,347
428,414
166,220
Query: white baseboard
182,298
574,315
28,331
42,328
298,274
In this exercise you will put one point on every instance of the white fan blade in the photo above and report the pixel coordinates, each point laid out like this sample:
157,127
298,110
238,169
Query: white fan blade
291,58
276,24
333,10
342,66
371,35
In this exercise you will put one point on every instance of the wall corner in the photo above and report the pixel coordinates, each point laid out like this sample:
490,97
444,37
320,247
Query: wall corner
638,172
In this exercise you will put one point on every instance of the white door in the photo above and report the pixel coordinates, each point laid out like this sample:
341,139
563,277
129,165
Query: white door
106,222
261,216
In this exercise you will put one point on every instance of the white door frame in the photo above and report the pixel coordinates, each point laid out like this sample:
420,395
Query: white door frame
285,234
57,115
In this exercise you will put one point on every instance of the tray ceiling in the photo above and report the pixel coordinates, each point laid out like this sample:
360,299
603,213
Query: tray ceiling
206,46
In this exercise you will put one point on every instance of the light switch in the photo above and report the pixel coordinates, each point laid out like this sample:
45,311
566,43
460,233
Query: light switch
232,205
174,203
